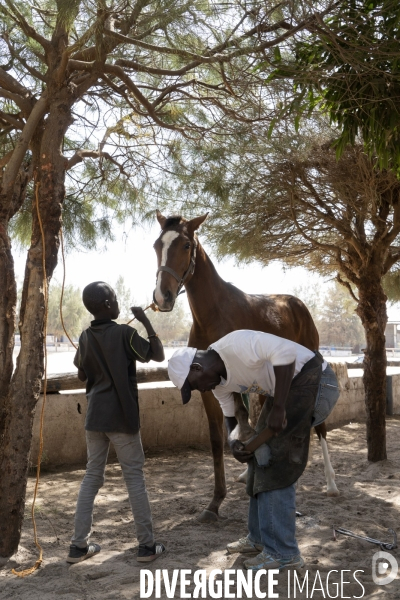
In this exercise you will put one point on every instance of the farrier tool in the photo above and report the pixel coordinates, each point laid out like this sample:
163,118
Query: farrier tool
382,545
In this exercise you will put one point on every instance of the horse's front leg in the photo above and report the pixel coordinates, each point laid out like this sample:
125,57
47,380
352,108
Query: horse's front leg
243,431
254,413
216,425
331,489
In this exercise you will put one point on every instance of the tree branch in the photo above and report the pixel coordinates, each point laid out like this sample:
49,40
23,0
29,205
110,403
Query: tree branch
131,64
390,261
214,55
23,104
34,72
347,285
12,168
6,158
26,28
12,119
328,247
395,230
80,155
8,82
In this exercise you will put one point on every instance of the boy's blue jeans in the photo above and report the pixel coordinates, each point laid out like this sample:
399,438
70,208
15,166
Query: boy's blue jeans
272,522
131,458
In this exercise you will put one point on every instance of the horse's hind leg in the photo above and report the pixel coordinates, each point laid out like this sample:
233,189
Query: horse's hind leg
331,489
216,425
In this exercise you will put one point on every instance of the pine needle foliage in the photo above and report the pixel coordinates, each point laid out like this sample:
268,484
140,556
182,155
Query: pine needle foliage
348,66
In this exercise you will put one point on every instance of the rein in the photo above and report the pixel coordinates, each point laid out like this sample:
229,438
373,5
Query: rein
189,271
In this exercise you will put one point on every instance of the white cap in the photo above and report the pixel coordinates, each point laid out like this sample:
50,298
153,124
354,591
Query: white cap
178,369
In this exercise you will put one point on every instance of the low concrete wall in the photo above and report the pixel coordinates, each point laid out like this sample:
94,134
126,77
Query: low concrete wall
166,423
351,404
396,394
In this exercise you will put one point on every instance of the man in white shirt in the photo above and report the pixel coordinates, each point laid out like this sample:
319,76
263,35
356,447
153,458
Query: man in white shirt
246,361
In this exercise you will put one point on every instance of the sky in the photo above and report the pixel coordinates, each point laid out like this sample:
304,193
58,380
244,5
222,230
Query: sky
132,256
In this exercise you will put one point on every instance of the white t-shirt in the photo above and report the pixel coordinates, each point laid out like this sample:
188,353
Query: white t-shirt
250,358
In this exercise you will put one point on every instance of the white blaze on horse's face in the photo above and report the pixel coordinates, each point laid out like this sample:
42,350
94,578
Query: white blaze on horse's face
166,240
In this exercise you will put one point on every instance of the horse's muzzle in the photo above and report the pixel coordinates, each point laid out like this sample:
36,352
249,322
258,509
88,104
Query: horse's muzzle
168,302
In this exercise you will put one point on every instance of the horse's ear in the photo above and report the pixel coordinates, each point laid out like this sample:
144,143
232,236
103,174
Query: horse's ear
196,222
160,218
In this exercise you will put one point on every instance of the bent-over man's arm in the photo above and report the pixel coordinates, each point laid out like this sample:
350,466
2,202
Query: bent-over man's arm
283,379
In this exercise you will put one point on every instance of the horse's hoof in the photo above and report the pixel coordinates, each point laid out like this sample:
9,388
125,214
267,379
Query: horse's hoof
207,516
242,477
333,493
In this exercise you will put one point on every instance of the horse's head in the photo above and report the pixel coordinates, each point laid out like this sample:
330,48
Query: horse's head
176,255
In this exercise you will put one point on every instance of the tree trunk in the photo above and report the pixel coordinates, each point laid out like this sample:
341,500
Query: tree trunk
9,204
25,386
8,300
372,311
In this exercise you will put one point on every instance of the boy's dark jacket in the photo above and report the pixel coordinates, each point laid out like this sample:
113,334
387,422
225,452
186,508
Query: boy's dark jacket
107,354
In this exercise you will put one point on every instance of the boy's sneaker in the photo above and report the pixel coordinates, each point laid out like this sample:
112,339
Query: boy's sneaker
149,553
244,546
79,554
266,561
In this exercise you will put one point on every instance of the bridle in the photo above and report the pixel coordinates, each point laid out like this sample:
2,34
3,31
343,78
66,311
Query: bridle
189,271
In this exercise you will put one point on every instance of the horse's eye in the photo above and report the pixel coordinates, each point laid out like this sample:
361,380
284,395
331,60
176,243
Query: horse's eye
187,246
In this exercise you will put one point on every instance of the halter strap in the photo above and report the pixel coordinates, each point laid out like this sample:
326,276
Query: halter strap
189,271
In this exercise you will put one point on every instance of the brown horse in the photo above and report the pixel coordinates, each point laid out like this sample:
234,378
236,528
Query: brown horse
218,308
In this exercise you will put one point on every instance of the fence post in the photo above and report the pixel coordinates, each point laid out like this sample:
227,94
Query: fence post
389,395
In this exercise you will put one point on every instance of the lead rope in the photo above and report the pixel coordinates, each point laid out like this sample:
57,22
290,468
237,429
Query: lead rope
46,306
62,289
153,306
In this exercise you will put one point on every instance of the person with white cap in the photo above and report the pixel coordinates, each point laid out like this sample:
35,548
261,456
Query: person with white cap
289,374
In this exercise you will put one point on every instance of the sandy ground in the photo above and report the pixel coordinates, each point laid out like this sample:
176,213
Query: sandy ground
179,487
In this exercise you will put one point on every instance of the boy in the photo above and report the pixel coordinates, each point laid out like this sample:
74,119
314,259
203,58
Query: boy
106,360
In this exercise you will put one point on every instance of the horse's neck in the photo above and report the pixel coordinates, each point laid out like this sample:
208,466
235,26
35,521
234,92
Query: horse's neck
205,289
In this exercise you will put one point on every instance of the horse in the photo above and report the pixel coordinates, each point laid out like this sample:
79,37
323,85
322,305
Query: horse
218,308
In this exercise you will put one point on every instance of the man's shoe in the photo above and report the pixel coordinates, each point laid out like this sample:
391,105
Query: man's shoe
244,546
79,554
266,561
149,553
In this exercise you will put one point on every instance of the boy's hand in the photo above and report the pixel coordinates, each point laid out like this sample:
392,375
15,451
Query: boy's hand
138,313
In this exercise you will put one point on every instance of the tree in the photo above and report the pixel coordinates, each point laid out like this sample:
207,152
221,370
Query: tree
348,68
289,199
170,327
391,285
125,300
88,92
339,324
333,311
75,315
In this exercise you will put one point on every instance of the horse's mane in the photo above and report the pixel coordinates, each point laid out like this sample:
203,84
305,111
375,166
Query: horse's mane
173,220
